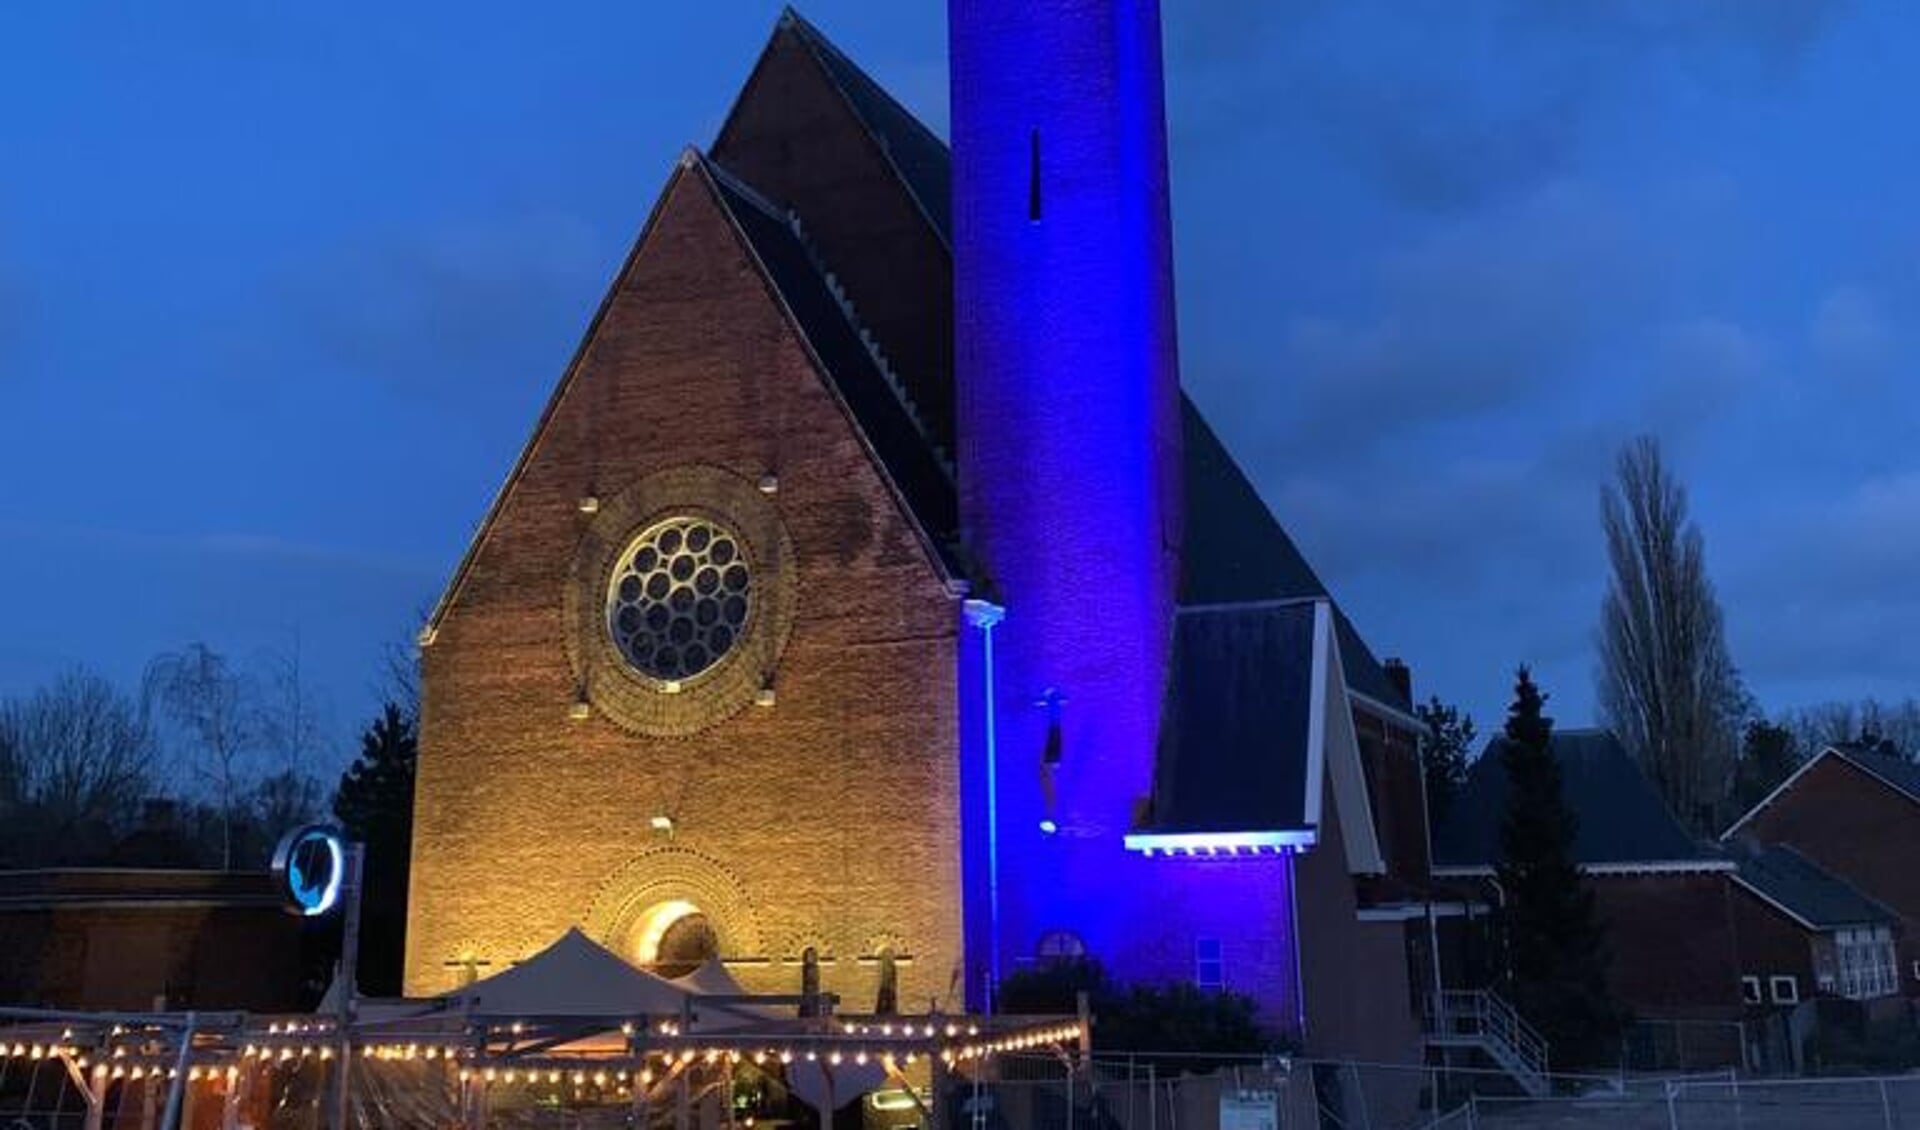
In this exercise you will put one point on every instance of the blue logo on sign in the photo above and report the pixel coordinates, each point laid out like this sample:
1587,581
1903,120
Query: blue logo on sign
309,866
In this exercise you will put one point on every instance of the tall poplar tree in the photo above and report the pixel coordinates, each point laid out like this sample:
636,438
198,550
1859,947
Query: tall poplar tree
1556,960
1669,690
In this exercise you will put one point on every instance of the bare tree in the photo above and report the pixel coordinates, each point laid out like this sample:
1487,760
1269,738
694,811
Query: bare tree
1667,685
73,765
287,712
1891,726
214,709
398,680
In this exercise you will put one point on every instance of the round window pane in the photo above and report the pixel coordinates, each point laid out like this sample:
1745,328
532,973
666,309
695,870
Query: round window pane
655,611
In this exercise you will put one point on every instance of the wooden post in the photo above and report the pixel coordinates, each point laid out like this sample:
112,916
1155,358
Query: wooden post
477,1102
642,1114
940,1082
96,1094
236,1094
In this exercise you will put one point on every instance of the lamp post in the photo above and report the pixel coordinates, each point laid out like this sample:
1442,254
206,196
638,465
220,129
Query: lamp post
984,615
317,870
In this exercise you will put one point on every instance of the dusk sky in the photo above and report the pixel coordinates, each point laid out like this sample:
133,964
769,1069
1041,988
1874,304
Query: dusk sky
284,287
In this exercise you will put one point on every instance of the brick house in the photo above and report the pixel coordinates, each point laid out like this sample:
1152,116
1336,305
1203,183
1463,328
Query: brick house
126,938
1854,813
723,672
1801,932
1663,899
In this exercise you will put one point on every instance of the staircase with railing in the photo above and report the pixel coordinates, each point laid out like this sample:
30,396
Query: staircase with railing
1483,1022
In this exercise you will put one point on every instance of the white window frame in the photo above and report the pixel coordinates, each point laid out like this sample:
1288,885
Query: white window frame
1750,991
1868,966
1792,987
1202,963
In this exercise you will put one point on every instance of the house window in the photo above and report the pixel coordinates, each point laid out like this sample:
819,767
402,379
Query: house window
1868,967
1209,970
1750,990
1916,970
1785,990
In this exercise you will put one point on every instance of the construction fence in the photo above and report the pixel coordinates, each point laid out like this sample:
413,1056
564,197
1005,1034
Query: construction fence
1139,1094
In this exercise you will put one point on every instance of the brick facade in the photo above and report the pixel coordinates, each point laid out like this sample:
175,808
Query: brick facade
126,939
827,819
1670,944
1772,945
1863,832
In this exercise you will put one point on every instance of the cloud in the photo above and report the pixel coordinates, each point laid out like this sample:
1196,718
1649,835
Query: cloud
1850,337
1704,369
210,547
451,307
1822,592
1484,315
1452,104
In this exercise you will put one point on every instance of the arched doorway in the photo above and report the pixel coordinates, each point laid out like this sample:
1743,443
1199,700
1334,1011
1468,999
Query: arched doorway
674,938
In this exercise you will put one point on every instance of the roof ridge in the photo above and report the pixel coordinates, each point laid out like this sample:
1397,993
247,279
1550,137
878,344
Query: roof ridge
1879,766
828,278
817,40
838,67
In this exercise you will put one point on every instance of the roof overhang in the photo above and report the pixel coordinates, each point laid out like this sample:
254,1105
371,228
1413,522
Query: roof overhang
1420,911
1221,843
1607,870
1386,711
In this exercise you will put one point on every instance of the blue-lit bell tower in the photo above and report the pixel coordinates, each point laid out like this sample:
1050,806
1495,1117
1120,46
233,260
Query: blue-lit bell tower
1068,437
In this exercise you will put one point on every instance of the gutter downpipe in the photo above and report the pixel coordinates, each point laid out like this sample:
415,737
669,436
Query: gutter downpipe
984,614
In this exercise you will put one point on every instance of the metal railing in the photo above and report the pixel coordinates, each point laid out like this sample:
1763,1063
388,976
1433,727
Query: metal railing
1483,1019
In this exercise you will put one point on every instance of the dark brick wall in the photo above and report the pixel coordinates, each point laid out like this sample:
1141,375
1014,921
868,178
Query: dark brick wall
792,136
829,819
1860,830
1358,999
127,948
1770,944
1398,792
1671,940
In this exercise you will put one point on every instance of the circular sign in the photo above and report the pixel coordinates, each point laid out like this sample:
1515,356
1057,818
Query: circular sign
309,867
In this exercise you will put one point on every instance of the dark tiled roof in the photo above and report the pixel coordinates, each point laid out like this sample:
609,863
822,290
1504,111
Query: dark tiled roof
1791,880
849,364
1897,772
1236,552
919,155
1233,754
1622,818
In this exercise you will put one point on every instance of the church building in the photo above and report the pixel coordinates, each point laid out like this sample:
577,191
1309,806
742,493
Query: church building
870,597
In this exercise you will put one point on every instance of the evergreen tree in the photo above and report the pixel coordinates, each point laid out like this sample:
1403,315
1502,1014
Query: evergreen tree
375,806
1446,749
1769,753
1556,962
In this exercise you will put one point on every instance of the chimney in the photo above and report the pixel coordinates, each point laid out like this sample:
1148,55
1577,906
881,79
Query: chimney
1401,677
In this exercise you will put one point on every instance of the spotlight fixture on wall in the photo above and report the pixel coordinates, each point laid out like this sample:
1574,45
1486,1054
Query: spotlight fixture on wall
1048,827
662,825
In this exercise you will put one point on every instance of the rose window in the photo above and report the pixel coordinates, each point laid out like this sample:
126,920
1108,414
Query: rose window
679,598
